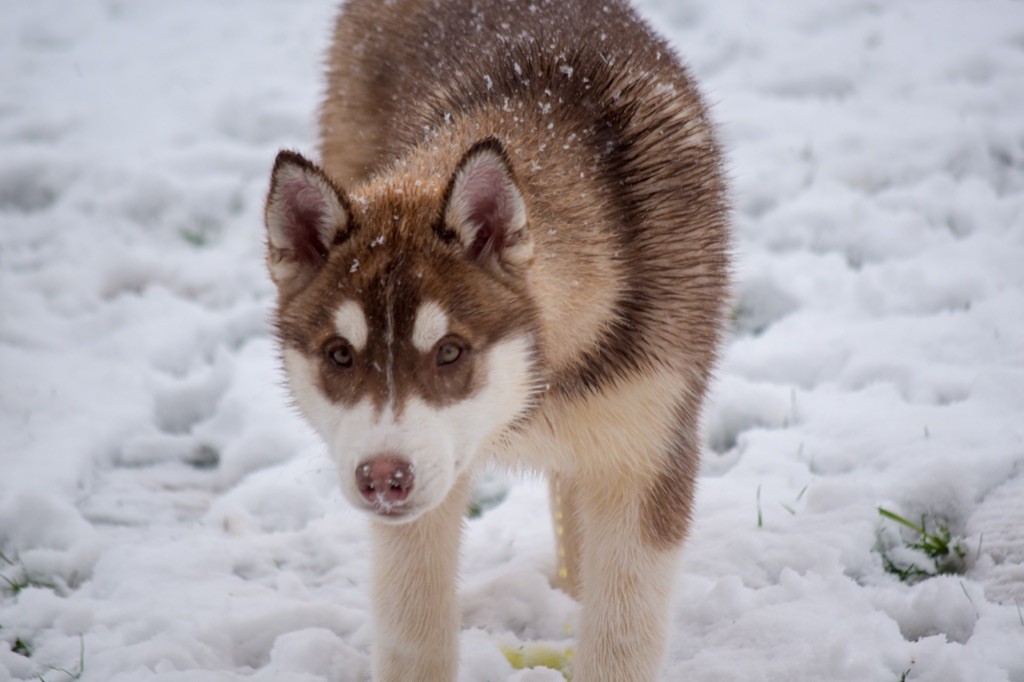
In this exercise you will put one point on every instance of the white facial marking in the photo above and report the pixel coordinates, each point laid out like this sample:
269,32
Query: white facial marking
431,325
350,322
322,414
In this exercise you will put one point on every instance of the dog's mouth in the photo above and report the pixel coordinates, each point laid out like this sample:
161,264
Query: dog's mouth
385,508
390,513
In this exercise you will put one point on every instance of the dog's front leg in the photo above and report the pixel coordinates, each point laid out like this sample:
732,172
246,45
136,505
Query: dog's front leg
627,585
416,626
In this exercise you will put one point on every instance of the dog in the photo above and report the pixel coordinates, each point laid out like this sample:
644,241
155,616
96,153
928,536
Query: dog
515,251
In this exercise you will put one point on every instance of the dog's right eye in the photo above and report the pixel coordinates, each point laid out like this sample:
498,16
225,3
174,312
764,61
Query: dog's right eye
340,354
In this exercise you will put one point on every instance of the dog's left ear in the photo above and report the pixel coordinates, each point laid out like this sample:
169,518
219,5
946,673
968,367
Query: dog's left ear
484,209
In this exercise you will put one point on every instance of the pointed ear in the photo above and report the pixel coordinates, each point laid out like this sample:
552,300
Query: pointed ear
484,209
305,215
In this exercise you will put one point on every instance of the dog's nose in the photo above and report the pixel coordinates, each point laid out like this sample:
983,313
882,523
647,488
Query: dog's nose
385,480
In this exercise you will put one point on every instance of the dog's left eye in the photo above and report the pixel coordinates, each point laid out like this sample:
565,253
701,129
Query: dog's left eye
340,355
449,352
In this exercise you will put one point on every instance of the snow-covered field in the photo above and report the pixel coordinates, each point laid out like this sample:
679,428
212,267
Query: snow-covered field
164,514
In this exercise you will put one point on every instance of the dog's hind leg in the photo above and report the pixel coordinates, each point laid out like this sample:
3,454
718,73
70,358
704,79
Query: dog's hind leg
568,534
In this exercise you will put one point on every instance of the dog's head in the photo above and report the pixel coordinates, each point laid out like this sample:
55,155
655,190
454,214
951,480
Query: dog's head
404,319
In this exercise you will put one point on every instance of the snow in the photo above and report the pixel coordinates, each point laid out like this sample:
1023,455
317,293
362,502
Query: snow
170,514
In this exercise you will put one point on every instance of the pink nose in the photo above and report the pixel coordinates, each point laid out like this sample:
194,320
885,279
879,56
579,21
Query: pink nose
385,480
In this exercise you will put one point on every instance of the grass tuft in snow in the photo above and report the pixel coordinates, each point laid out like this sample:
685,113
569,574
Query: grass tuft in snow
482,503
16,577
799,496
489,490
942,554
75,674
201,231
534,655
22,648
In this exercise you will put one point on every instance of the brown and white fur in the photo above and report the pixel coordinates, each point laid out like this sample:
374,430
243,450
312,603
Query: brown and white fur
515,251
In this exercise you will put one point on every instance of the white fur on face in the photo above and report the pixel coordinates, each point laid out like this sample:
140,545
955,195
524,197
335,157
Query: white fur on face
430,327
439,443
350,321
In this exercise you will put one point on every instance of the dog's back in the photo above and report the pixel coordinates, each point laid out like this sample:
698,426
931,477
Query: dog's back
551,168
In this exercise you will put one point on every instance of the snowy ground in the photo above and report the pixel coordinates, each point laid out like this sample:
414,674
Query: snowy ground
164,511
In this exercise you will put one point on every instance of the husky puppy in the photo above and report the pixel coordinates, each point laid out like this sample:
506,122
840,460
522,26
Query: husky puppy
515,250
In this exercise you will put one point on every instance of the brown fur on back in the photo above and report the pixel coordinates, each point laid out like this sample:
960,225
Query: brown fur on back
614,154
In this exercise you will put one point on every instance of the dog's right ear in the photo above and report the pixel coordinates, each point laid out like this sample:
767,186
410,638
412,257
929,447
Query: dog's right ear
306,214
